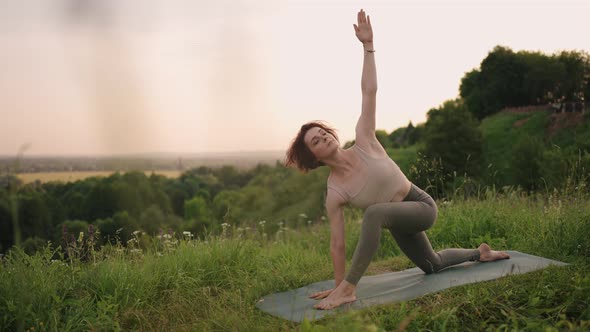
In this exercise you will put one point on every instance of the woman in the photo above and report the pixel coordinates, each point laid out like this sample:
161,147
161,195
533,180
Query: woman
366,177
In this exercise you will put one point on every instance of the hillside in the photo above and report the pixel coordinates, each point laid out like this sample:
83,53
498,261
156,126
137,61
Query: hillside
565,131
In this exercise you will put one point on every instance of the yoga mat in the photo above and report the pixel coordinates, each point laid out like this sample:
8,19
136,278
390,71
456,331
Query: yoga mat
295,305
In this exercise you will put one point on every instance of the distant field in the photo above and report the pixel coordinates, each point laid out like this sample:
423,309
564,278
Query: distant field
81,175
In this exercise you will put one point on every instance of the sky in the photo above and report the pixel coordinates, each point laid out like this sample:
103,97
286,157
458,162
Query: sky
103,77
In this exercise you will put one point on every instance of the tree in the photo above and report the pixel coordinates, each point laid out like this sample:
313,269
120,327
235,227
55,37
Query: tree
197,210
101,201
526,162
573,85
34,215
152,220
383,138
452,135
508,79
69,230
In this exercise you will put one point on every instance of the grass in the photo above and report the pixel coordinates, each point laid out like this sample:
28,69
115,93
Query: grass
212,285
500,135
577,137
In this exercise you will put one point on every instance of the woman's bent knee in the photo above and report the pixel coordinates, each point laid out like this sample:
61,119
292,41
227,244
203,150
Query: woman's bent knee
372,212
429,268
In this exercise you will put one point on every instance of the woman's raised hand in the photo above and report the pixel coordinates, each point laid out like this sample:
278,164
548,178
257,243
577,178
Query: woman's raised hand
363,30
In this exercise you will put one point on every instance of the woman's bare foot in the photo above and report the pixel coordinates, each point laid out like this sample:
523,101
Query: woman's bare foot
486,254
344,293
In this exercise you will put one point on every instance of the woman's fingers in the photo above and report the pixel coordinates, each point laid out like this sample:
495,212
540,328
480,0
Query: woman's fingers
314,295
320,295
369,20
362,18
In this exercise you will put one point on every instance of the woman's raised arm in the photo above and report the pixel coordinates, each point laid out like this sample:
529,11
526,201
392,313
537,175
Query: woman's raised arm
365,127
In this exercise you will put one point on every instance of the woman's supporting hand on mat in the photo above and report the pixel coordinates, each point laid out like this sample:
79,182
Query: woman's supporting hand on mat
344,293
321,295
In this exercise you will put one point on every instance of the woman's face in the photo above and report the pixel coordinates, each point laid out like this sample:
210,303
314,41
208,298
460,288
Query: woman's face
320,142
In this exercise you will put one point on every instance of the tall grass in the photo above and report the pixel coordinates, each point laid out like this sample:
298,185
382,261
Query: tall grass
177,283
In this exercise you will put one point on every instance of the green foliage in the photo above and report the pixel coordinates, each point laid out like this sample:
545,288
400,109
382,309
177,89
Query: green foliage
199,215
526,162
405,136
213,283
574,139
452,137
119,227
109,229
33,244
500,135
153,219
405,157
429,175
70,230
506,78
383,138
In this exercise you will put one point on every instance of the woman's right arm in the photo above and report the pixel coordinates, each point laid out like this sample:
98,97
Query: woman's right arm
334,209
365,127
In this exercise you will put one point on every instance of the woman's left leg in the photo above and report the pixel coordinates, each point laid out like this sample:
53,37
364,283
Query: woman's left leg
406,220
419,250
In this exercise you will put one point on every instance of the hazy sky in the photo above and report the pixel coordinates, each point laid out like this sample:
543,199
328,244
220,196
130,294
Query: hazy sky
115,76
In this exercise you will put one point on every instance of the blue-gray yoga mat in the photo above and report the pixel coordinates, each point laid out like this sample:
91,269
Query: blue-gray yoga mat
295,305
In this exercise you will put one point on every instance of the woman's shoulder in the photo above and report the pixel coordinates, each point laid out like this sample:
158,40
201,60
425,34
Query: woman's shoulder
372,149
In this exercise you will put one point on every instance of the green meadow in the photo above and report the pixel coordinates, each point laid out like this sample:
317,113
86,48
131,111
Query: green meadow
172,282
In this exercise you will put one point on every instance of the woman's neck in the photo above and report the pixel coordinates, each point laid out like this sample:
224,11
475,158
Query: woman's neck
342,163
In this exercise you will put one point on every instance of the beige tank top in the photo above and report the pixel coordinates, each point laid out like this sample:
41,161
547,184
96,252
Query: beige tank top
383,179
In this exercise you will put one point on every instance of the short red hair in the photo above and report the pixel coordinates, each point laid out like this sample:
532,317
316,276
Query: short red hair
299,154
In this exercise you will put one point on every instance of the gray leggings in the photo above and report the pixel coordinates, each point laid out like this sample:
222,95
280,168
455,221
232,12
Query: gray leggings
407,221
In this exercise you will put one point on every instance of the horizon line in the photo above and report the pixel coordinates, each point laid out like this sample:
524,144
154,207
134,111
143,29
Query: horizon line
142,154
